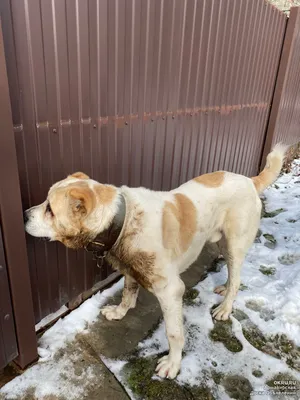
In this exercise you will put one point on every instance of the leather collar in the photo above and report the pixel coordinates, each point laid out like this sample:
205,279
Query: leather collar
106,239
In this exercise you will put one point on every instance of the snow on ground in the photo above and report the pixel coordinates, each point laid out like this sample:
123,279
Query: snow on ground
65,330
270,299
51,317
61,374
56,377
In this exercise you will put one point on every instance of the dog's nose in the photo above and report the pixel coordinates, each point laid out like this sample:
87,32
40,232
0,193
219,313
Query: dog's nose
25,217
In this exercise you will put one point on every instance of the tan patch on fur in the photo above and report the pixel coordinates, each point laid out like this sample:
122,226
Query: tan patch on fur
79,175
179,223
82,199
77,240
214,179
71,205
259,181
105,193
263,180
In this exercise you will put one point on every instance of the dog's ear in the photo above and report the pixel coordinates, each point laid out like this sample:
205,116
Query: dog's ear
82,200
79,175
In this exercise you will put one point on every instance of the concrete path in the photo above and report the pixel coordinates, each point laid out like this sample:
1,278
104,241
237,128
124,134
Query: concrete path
112,339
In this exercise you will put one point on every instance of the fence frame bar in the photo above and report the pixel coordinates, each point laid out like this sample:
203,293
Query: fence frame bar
13,227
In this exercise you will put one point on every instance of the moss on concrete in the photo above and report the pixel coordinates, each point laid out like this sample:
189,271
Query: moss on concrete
222,332
237,387
257,373
254,305
278,346
239,315
269,237
283,382
217,376
254,336
139,373
289,259
190,296
201,393
271,214
268,271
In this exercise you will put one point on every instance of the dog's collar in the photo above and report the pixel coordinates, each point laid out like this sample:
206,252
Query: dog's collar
105,240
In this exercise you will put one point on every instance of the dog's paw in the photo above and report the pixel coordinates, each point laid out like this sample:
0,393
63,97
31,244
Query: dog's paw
167,368
222,312
221,290
113,312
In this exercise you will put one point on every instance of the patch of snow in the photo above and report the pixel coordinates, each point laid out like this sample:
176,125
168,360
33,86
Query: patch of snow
56,378
51,317
56,375
65,329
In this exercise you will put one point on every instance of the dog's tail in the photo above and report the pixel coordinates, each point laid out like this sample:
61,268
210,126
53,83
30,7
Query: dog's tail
272,169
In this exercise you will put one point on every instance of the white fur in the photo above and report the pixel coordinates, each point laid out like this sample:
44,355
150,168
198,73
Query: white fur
37,224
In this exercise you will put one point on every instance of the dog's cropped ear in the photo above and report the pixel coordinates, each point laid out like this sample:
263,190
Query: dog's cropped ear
79,175
82,200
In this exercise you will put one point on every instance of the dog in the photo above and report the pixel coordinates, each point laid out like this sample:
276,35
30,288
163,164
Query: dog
152,237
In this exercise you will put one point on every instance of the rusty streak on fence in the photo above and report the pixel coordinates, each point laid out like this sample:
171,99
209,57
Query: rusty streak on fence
121,120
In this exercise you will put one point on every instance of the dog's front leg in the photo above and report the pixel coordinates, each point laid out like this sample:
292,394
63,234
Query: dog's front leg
129,297
170,299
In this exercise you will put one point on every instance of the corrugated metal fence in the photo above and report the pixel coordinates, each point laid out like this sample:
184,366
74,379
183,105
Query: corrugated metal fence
284,122
133,92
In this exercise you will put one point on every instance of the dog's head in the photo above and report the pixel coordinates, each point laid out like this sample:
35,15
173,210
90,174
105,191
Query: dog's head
74,212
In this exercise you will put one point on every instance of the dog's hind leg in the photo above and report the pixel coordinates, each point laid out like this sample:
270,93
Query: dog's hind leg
221,290
239,234
129,297
170,299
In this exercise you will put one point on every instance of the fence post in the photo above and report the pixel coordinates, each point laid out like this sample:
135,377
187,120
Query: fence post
13,227
286,97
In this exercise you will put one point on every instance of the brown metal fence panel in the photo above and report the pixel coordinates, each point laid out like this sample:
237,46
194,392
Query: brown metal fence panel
284,125
13,254
137,92
8,341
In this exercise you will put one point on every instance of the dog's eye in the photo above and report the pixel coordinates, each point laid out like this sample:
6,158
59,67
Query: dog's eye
49,209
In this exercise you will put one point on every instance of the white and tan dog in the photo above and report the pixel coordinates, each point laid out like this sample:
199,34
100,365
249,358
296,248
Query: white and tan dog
162,235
